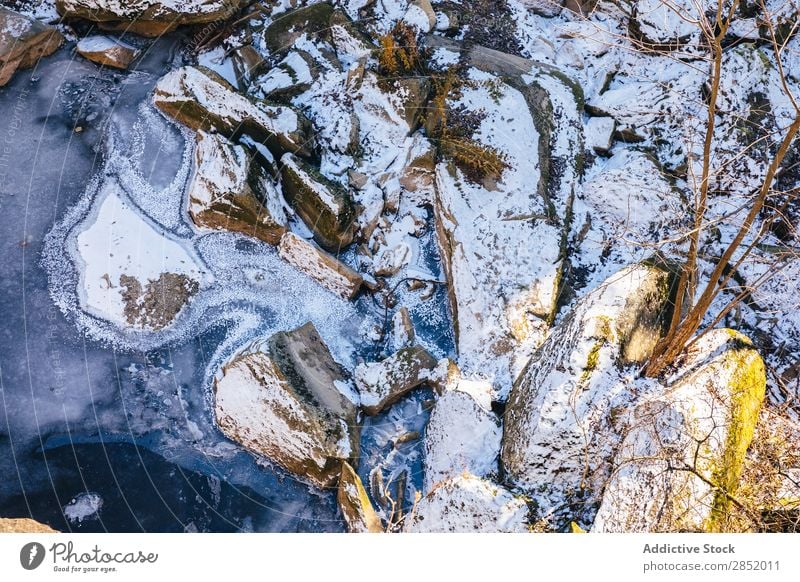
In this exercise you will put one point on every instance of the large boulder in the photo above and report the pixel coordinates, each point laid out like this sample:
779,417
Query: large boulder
468,504
325,207
679,466
23,41
559,434
282,398
203,100
149,17
230,191
503,242
463,434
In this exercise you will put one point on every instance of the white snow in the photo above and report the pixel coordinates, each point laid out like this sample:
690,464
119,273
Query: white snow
467,504
117,241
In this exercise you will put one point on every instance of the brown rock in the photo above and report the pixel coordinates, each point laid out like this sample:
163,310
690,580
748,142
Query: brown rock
324,268
230,191
24,526
355,505
106,51
23,41
281,398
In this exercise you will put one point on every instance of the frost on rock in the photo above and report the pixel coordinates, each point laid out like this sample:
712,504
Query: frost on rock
149,17
324,206
463,434
281,398
559,433
354,503
468,504
685,445
230,191
324,268
23,41
203,100
384,383
502,244
133,274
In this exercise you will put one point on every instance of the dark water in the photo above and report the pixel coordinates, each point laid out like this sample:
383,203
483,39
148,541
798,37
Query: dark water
135,427
136,415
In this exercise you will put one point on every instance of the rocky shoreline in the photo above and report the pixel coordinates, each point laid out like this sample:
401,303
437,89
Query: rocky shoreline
381,157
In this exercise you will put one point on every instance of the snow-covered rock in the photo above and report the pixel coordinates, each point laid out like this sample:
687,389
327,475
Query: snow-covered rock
381,384
661,25
132,273
307,21
354,503
463,434
230,191
291,76
106,51
420,15
623,209
149,17
201,99
468,504
548,8
559,434
502,244
284,398
685,445
325,207
403,333
23,41
323,267
600,134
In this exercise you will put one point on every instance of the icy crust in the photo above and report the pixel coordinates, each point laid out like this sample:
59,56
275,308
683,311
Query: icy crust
558,434
685,444
84,507
502,301
177,11
468,504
